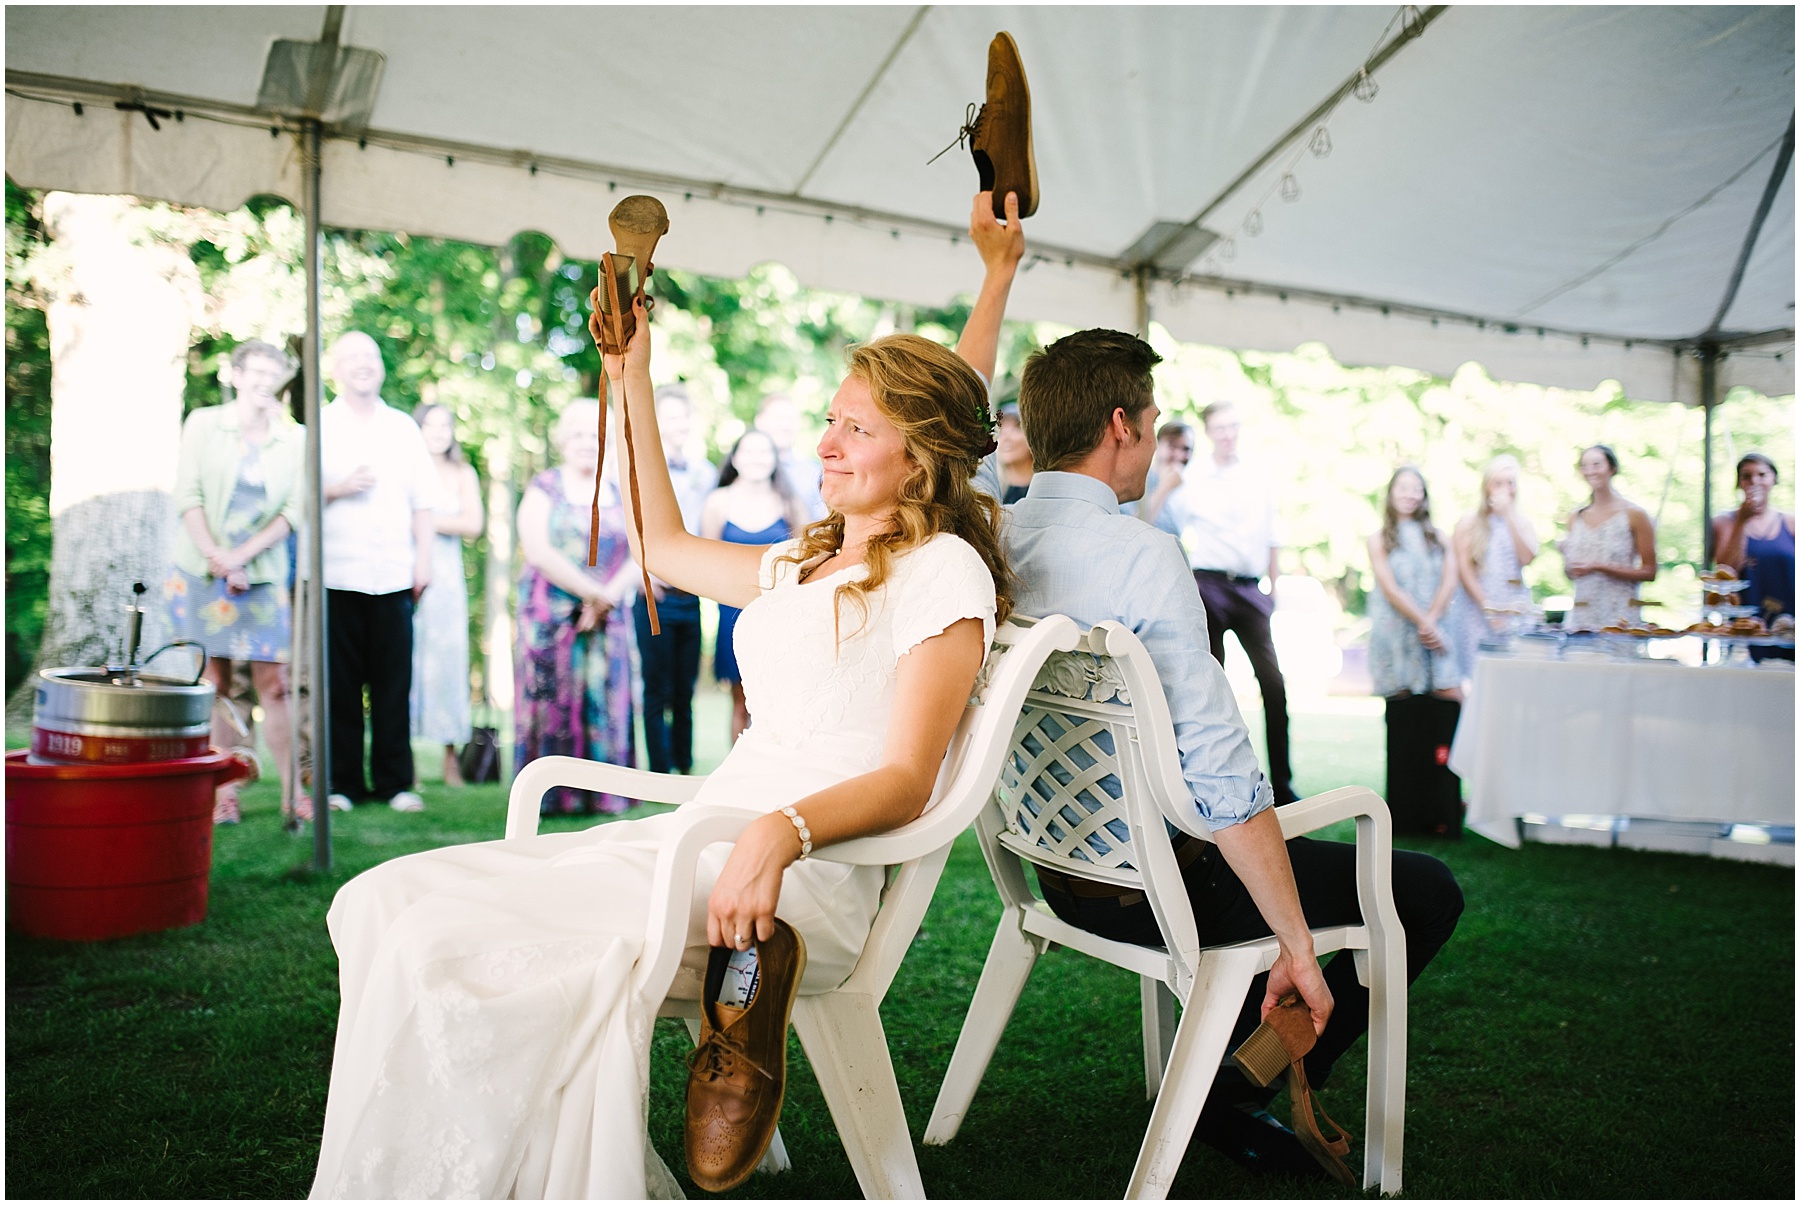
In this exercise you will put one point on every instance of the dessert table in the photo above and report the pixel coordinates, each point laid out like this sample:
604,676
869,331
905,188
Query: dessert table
1599,738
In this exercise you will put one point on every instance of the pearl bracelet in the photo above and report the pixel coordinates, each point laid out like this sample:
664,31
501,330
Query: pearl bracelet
804,833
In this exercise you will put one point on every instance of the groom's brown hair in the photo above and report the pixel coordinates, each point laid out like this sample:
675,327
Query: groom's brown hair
1069,390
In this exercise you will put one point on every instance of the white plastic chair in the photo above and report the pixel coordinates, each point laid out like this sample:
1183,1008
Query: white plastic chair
1097,723
839,1029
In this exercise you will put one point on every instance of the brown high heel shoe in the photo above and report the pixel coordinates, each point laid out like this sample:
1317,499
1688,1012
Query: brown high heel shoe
637,223
1280,1044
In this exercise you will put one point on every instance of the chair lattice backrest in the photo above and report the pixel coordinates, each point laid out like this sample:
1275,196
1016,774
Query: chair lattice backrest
1090,776
1061,792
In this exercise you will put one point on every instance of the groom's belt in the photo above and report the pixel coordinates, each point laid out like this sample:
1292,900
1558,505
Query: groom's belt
1187,851
1236,579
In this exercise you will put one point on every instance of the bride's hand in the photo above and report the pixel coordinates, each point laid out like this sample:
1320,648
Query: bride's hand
743,900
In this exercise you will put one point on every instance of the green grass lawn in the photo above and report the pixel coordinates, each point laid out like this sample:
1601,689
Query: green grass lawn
1606,1023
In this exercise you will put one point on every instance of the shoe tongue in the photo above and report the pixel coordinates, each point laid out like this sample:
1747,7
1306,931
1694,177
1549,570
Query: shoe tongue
728,1014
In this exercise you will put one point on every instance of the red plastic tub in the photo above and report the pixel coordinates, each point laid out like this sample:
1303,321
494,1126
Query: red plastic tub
98,851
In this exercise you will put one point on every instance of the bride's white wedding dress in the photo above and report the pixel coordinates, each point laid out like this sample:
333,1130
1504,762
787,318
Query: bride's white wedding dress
487,1043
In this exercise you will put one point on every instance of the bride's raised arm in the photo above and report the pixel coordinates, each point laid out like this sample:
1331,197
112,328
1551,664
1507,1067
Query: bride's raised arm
725,573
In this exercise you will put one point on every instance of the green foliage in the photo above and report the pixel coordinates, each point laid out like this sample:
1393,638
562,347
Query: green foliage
27,447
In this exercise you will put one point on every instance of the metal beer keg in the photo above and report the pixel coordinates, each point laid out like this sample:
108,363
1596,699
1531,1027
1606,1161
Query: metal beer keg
114,715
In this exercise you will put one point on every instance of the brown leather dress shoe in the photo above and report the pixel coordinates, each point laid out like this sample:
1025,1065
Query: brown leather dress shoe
738,1072
1001,133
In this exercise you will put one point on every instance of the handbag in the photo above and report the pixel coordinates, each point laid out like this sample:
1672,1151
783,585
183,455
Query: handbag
480,758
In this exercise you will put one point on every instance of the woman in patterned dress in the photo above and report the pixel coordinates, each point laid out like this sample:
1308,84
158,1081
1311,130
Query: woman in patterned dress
440,680
1409,651
237,490
572,673
1610,549
1492,545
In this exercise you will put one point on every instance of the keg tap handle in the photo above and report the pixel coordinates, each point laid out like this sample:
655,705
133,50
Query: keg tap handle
134,628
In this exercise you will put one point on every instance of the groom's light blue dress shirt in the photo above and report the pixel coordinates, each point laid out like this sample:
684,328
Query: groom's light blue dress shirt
1075,554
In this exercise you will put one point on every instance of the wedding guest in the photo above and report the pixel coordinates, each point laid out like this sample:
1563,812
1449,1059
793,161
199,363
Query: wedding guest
1409,653
1757,541
1611,547
671,661
1227,507
1013,453
1492,545
440,686
380,492
572,673
754,504
237,490
1168,468
780,419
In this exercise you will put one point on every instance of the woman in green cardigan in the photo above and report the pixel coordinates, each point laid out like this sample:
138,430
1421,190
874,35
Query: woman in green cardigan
237,490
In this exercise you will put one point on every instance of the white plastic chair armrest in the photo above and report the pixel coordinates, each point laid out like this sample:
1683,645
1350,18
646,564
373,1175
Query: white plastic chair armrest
536,777
671,893
1345,803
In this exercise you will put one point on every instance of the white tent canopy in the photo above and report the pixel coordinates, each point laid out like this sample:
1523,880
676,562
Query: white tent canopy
1562,194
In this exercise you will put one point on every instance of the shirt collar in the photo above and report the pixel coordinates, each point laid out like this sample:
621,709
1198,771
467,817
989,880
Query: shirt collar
1077,486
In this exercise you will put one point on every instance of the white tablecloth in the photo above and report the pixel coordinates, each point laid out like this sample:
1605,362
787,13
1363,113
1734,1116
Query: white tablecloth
1642,739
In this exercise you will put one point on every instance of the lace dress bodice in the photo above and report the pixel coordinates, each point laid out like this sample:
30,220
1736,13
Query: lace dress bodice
820,677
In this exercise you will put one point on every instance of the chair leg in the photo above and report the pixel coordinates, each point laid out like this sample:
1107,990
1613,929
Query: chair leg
1009,962
775,1160
1159,1031
848,1048
1220,982
1385,1144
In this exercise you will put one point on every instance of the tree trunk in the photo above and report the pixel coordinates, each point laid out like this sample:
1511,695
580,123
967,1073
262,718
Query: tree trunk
120,323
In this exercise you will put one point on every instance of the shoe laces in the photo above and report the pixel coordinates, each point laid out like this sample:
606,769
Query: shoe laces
716,1057
970,128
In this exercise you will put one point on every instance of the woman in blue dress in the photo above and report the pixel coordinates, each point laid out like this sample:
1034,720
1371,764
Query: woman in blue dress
1757,540
754,504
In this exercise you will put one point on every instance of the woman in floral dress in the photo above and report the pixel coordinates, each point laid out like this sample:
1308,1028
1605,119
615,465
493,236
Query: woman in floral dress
237,490
572,672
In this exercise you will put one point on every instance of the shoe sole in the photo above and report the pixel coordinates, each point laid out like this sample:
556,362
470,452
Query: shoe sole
787,1021
636,224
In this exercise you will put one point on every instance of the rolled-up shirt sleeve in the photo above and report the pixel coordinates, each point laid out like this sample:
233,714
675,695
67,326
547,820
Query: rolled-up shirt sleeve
1163,608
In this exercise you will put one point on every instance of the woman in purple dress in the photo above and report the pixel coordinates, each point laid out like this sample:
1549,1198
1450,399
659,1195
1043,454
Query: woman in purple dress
572,674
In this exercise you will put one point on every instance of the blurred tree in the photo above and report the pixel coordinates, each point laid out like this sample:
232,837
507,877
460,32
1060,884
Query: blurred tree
27,443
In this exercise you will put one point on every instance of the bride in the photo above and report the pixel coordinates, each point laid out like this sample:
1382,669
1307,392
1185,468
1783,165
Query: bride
488,1044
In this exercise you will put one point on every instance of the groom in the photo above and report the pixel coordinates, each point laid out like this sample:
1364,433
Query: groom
1088,408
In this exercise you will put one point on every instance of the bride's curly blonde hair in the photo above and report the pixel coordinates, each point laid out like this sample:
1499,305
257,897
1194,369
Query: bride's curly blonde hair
939,405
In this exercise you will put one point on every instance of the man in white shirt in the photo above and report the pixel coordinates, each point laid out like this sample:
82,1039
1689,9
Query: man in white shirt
379,492
1226,513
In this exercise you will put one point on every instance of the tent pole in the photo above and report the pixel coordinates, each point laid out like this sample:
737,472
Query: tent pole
311,357
1141,295
1709,385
